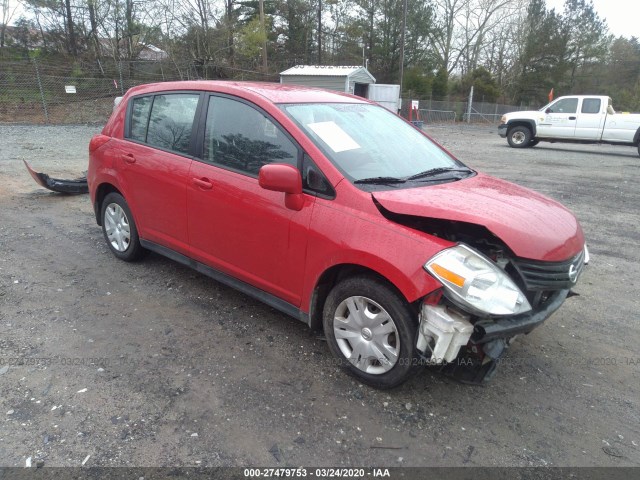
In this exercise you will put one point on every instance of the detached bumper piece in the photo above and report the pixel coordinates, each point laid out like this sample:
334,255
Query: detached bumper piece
70,187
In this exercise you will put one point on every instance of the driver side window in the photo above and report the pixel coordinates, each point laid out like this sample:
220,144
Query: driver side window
566,105
241,138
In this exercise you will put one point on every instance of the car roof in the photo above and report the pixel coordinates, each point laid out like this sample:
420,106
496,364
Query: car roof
273,92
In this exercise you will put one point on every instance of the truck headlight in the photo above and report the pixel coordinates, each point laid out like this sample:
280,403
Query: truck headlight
477,282
503,119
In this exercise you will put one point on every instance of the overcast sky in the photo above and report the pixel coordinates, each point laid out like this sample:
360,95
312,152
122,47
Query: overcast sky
621,15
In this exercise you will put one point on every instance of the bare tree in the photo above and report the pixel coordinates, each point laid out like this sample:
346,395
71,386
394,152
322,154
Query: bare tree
6,15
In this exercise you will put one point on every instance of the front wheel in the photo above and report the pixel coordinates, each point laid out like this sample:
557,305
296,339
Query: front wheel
371,330
519,137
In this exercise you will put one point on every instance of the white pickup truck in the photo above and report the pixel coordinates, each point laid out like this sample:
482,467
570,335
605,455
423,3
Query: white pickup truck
572,119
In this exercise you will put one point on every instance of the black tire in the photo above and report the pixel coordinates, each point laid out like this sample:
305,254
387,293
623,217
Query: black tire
127,247
638,148
533,143
519,137
400,342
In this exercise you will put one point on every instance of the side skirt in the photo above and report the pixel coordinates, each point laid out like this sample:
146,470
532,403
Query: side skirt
250,290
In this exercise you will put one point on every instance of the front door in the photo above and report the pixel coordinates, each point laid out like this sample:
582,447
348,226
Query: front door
559,119
235,225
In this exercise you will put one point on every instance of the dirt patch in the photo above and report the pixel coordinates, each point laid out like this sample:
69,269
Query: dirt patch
94,111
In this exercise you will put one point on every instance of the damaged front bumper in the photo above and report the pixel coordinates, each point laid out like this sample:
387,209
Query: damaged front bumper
486,330
468,350
72,187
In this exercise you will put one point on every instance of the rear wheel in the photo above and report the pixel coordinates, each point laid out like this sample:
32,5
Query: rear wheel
371,329
519,137
119,229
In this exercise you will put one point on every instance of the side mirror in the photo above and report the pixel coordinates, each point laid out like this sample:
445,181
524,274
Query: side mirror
548,110
284,178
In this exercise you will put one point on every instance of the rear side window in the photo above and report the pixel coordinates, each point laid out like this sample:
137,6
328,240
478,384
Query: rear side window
164,121
591,105
242,138
140,118
171,121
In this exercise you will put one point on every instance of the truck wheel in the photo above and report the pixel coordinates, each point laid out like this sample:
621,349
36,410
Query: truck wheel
519,137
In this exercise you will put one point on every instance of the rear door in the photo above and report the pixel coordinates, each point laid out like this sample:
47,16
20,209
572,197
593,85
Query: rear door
235,225
154,161
591,119
560,119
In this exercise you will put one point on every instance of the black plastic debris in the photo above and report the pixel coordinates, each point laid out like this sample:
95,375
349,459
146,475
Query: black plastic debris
70,187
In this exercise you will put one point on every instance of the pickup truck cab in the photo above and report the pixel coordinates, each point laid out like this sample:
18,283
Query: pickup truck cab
575,118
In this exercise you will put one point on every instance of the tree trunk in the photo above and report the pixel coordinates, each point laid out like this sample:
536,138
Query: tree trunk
94,27
73,48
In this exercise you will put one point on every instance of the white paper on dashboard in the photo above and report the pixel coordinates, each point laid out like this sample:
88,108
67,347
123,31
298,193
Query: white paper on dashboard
331,134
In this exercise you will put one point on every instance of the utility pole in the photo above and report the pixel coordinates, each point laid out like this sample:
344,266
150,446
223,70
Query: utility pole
319,32
404,27
264,38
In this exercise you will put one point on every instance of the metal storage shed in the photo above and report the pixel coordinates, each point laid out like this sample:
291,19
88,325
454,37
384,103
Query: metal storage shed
355,80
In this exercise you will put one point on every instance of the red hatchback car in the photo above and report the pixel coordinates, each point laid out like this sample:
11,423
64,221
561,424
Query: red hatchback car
335,211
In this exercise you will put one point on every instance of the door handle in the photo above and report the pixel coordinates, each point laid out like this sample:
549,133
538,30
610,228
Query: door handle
203,183
129,158
572,118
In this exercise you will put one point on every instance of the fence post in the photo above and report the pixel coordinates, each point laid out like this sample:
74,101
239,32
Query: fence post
470,105
120,72
44,103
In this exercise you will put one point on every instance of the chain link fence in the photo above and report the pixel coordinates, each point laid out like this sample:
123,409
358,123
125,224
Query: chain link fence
40,91
34,91
446,111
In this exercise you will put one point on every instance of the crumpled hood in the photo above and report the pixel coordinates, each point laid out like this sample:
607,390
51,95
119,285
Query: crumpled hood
532,225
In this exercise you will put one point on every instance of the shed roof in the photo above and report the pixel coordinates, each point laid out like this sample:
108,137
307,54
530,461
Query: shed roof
325,71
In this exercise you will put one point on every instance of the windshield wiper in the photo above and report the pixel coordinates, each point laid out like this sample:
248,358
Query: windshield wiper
437,171
381,180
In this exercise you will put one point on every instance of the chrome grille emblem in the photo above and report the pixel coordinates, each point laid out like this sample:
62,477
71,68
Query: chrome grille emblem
573,273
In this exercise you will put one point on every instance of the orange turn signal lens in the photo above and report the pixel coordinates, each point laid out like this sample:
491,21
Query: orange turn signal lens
448,275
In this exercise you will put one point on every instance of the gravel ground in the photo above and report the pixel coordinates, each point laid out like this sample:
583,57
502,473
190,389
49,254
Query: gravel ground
152,364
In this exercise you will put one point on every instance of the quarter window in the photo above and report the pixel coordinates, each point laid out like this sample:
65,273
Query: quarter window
313,180
140,118
171,121
591,105
241,138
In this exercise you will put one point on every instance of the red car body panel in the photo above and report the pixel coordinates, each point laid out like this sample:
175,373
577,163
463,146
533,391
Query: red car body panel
246,231
532,225
353,232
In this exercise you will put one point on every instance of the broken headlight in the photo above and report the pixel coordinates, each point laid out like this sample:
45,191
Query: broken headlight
475,282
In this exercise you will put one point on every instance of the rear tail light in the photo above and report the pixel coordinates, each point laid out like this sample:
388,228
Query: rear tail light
97,141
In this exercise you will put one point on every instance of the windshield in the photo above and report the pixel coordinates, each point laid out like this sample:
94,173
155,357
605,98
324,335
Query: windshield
371,145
